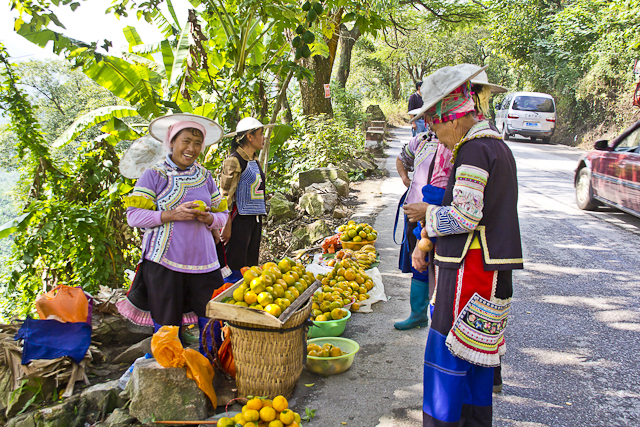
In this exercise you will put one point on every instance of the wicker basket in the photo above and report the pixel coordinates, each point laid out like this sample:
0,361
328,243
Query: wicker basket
269,361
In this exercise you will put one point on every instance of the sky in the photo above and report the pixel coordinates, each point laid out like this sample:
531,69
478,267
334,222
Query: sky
88,23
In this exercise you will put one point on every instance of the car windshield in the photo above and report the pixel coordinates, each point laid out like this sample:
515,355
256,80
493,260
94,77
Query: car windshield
533,103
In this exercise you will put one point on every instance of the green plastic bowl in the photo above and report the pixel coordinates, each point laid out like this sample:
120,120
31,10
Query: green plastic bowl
332,365
329,328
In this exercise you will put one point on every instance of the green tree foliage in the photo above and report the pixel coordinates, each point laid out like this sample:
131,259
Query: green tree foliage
71,229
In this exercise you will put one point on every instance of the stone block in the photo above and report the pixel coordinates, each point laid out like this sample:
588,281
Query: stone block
320,175
379,124
302,239
95,394
375,129
342,187
280,208
119,418
375,113
374,135
372,144
164,393
132,353
312,203
340,212
318,230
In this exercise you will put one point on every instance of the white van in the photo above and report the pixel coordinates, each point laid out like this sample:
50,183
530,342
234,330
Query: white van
530,114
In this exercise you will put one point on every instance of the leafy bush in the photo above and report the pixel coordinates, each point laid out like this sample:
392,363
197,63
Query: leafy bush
318,141
347,107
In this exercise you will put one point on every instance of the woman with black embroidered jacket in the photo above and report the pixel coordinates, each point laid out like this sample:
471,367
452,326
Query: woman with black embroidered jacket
478,247
243,184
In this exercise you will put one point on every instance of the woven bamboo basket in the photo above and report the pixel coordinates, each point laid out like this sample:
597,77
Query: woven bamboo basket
269,361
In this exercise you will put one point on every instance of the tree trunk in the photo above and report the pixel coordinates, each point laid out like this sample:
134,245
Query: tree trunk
312,92
264,104
396,85
347,41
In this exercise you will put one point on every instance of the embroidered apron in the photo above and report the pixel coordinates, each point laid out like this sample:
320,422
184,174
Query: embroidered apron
250,192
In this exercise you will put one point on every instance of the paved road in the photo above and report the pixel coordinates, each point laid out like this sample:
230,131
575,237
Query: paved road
574,329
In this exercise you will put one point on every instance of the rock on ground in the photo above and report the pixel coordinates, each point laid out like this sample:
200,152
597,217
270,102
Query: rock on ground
280,208
164,394
312,203
320,175
135,351
327,192
119,418
342,187
318,230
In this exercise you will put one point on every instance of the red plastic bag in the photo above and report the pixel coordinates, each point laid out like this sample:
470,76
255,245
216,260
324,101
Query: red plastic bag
67,303
169,353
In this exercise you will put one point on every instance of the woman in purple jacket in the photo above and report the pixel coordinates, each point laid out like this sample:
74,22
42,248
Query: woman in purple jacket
179,267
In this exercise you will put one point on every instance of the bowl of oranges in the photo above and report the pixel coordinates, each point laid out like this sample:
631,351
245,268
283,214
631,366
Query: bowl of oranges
354,236
330,355
330,328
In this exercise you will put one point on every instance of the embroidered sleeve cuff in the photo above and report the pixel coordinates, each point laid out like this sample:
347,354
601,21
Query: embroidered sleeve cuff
430,220
219,220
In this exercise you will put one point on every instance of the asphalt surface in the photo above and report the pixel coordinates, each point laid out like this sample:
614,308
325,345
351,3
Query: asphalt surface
573,336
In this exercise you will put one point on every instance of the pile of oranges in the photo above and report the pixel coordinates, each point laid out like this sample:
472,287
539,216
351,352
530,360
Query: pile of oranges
272,287
353,232
347,283
260,412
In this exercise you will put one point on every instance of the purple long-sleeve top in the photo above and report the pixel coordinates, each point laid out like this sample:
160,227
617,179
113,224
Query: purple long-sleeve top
184,246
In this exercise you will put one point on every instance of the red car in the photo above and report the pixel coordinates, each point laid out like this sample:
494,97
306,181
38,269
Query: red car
610,174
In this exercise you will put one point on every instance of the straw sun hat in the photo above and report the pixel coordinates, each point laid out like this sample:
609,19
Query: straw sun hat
441,83
246,125
149,150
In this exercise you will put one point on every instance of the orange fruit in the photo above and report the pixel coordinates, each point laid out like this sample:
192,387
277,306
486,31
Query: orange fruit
255,404
248,276
267,414
280,403
287,416
265,298
289,279
294,291
276,423
251,415
226,422
284,266
250,297
273,309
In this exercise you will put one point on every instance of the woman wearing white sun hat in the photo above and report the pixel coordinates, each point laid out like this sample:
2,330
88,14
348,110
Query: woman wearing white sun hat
179,268
478,246
243,184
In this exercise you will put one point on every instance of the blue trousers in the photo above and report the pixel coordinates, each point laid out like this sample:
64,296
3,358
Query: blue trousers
456,392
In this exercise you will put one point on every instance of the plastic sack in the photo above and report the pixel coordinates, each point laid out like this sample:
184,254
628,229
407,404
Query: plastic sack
67,303
169,353
225,355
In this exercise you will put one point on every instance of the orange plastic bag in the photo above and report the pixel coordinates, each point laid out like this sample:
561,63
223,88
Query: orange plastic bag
67,303
169,353
225,354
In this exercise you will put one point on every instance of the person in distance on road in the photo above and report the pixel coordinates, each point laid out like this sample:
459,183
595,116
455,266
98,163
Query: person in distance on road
415,102
478,247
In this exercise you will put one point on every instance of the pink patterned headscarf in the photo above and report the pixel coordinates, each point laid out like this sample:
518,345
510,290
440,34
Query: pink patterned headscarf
453,106
175,128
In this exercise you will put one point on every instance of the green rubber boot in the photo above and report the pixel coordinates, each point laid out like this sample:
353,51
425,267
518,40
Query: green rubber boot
419,301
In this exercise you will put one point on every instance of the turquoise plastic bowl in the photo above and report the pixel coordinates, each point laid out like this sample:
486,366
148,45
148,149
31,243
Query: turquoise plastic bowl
329,328
333,365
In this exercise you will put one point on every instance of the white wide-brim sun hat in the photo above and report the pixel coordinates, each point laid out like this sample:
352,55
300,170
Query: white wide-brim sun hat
246,125
483,79
158,128
441,83
141,155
